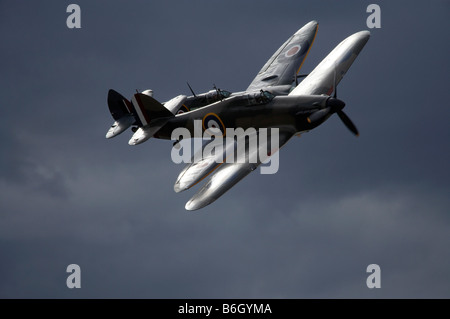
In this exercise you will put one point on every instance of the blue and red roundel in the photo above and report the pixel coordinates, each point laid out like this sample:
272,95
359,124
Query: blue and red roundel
183,109
213,122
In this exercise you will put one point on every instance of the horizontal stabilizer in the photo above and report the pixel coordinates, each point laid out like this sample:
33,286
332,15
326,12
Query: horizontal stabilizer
118,105
120,125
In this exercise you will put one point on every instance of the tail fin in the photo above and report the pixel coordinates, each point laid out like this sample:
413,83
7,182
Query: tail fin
118,104
121,110
150,115
147,109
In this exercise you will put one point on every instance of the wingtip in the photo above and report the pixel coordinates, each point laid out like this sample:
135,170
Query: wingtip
196,203
363,34
190,205
179,188
310,25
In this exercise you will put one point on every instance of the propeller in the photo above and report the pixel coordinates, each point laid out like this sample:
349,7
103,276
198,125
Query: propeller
338,109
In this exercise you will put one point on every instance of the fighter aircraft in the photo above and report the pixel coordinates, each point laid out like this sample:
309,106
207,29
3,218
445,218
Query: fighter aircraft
274,99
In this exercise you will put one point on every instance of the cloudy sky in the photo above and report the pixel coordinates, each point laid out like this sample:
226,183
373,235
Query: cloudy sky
337,204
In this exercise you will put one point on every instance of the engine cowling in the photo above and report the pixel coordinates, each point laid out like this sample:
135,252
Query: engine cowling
318,115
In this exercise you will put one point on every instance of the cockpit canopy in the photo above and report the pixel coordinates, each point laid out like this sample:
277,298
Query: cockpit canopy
207,98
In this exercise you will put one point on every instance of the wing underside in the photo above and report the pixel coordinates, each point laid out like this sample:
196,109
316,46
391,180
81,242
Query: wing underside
330,71
228,173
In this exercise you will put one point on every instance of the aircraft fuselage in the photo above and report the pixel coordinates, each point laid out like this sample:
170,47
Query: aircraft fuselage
253,110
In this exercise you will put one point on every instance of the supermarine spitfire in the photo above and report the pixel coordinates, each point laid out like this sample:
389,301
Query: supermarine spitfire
274,99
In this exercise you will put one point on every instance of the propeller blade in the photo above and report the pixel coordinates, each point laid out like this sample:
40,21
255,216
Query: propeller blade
344,118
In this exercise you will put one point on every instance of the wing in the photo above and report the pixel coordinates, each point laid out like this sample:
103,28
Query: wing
203,163
227,175
287,60
331,70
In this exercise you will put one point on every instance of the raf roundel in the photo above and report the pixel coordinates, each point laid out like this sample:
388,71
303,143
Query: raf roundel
213,122
183,109
292,51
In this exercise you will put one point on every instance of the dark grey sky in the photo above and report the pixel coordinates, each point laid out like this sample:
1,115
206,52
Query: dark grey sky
338,203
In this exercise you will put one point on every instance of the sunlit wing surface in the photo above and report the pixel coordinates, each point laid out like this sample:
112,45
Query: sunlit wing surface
331,70
228,174
285,63
203,163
